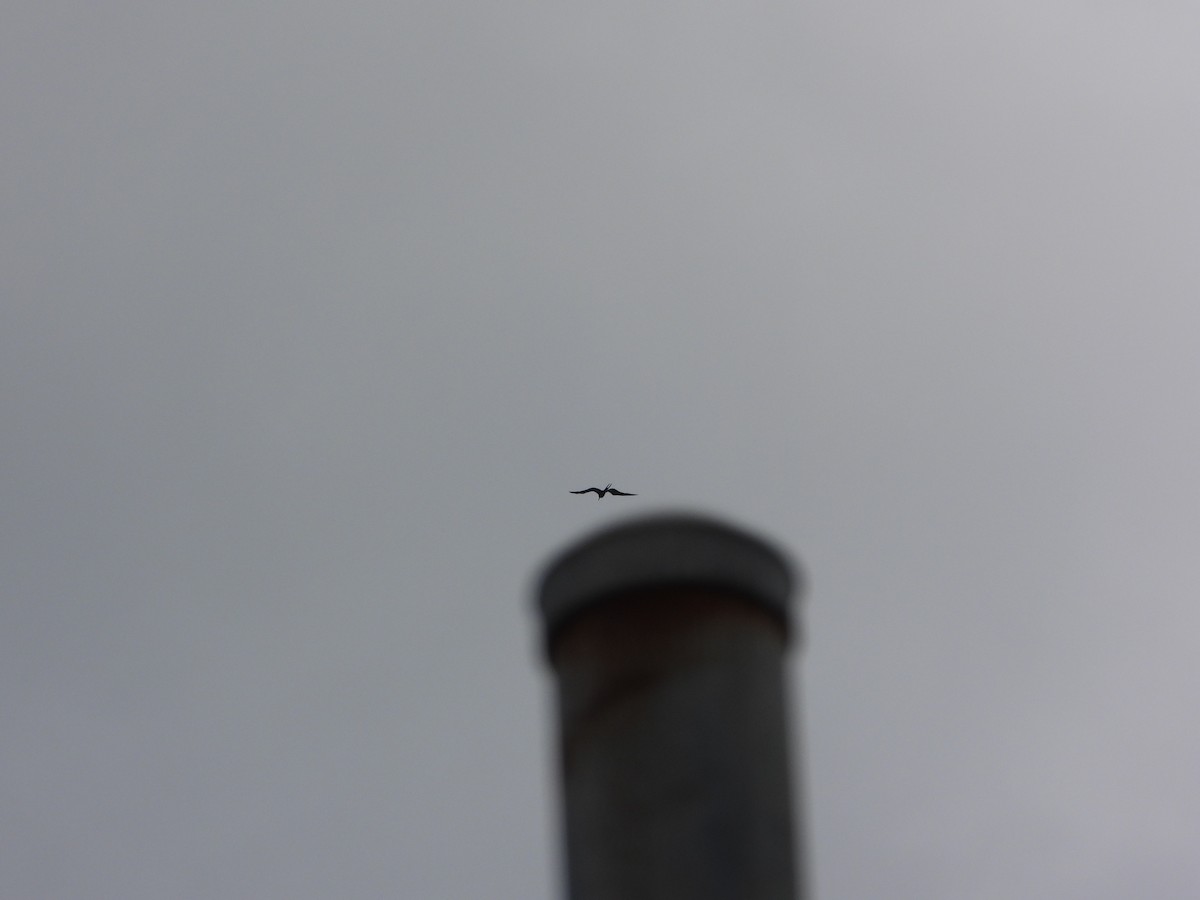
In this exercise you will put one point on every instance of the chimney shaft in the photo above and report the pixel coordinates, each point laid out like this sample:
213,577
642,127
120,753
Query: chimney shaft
667,637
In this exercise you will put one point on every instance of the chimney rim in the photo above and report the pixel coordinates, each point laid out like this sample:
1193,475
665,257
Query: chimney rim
665,550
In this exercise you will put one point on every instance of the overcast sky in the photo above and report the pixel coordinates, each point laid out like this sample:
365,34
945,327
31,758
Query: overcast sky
311,315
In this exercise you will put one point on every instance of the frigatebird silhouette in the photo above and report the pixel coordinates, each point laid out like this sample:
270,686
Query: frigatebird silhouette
608,490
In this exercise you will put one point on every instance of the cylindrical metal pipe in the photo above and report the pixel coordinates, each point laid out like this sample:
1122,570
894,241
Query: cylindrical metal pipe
668,637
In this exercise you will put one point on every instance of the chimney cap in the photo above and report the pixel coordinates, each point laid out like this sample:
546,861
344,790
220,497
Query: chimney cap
662,551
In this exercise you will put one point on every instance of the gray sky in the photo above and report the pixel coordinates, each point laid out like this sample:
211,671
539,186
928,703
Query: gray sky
311,314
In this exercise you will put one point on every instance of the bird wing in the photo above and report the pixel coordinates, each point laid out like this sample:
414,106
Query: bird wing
620,493
587,491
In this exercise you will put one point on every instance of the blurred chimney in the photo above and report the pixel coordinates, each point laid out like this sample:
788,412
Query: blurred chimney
667,636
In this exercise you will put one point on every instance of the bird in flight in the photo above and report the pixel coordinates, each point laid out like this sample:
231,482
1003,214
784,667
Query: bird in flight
608,490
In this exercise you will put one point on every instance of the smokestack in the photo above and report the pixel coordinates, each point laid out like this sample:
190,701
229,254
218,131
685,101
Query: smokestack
667,637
